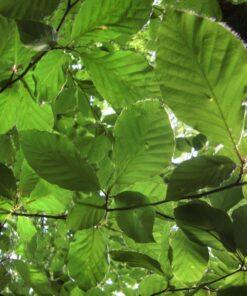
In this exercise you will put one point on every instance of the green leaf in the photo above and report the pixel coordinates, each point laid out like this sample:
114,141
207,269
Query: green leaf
36,34
154,188
8,110
77,292
227,258
143,142
55,159
87,258
33,277
50,74
205,225
237,279
226,199
31,115
136,223
5,205
28,179
7,182
152,284
13,55
92,95
5,277
67,101
185,144
157,249
198,173
101,145
86,213
240,228
209,8
25,229
121,77
204,83
48,198
188,256
109,19
28,9
135,259
7,151
5,243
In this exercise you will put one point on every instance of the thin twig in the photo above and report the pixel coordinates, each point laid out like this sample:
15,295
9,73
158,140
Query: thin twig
193,196
11,81
201,286
223,188
59,217
64,15
11,77
164,215
64,216
34,215
28,68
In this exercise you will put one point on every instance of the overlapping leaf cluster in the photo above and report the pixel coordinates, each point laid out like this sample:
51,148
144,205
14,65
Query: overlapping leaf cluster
122,149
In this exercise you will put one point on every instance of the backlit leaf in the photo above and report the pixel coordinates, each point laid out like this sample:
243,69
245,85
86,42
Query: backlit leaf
136,223
135,259
87,258
86,213
202,67
210,8
189,256
28,9
122,77
205,225
56,159
144,142
109,19
198,173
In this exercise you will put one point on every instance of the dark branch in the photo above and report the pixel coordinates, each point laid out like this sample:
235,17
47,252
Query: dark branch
164,216
223,188
201,286
68,8
58,217
28,68
64,15
25,84
193,196
11,81
35,215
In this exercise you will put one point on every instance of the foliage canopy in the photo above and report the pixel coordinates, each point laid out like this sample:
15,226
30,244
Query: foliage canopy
123,148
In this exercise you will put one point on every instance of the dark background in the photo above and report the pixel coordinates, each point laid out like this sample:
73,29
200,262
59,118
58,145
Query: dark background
236,17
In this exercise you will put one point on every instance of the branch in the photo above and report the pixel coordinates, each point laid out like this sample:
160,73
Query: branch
201,286
193,196
164,215
28,68
11,81
223,188
35,215
58,217
68,8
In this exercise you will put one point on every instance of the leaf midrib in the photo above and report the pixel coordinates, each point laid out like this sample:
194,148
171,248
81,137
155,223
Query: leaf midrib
214,97
129,161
